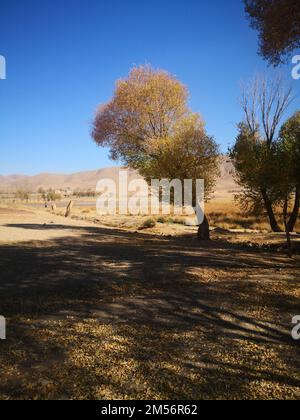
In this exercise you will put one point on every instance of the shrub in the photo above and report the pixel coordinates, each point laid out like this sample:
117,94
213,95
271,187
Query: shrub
161,220
148,224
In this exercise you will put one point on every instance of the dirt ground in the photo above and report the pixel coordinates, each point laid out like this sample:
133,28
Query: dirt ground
98,312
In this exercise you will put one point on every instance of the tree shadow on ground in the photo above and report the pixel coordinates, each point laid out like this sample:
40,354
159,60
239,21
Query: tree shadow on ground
127,315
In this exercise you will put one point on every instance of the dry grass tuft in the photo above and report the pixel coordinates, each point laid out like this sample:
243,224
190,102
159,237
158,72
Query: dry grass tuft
228,215
148,224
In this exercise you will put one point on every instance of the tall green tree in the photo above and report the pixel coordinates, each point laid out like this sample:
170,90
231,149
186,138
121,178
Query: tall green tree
286,174
253,160
289,147
275,169
254,153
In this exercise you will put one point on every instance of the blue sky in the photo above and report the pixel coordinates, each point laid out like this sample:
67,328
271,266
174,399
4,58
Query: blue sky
63,57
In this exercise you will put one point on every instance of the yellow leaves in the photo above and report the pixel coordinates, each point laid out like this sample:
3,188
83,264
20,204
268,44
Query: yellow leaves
149,126
147,104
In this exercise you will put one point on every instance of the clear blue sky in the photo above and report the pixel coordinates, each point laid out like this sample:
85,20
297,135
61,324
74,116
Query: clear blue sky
63,57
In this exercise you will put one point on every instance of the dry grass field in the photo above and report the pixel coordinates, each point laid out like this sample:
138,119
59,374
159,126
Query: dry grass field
223,212
100,312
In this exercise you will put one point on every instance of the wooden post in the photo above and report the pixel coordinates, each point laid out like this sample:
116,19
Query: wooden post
69,209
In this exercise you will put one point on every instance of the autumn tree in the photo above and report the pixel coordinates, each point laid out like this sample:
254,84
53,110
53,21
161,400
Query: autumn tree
278,24
146,105
149,127
190,153
254,153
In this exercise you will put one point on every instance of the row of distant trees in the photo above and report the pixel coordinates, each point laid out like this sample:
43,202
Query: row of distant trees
50,194
81,194
22,195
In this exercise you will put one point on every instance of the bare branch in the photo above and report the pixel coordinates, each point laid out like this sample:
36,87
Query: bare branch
264,104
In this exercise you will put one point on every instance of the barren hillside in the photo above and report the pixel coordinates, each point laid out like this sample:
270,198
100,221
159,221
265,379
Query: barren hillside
88,180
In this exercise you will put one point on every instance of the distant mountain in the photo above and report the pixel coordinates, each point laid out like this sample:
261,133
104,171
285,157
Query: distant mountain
78,181
87,180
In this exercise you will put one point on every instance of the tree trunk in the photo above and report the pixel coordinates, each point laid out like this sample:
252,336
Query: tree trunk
294,216
203,230
268,205
287,230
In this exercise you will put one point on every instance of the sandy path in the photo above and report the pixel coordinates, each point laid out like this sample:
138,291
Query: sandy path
22,225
